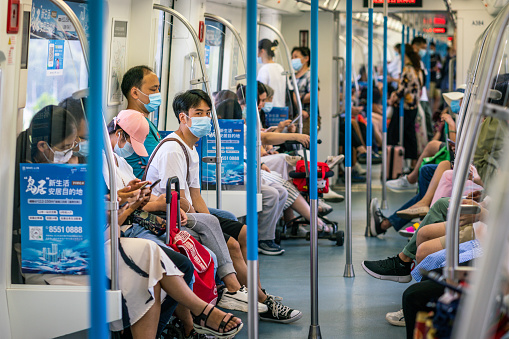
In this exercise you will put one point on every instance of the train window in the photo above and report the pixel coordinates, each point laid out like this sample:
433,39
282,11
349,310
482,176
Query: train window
56,67
214,53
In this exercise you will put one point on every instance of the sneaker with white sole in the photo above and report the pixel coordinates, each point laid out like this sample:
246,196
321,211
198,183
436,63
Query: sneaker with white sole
401,185
333,160
269,247
358,168
333,196
396,318
392,268
375,225
279,313
237,301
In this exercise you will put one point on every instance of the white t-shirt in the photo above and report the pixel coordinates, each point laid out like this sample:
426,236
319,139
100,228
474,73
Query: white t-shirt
394,69
271,74
124,172
424,91
170,161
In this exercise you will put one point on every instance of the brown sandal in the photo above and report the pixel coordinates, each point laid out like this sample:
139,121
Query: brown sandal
200,324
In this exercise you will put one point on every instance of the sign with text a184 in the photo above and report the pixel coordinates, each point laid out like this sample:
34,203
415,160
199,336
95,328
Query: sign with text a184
395,3
53,219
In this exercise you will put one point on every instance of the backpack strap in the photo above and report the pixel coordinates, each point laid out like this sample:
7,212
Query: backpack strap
157,148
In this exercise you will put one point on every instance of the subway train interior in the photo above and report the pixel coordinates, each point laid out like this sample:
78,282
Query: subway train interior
343,132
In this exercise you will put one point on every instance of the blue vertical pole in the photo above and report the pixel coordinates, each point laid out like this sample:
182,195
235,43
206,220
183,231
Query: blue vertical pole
95,188
384,115
401,102
348,142
407,34
369,110
413,33
252,167
314,329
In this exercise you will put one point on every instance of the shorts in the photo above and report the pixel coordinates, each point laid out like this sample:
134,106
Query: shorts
434,91
231,228
466,234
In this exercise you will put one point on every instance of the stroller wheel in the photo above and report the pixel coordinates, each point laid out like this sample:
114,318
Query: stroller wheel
340,238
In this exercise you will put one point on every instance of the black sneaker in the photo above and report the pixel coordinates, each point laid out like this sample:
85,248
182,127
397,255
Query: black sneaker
375,224
279,313
392,268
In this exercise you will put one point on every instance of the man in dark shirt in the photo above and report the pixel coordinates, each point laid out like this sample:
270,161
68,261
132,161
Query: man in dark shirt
435,76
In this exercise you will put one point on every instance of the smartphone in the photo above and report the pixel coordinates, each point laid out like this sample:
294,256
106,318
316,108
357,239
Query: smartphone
155,183
451,142
295,120
470,209
122,206
143,186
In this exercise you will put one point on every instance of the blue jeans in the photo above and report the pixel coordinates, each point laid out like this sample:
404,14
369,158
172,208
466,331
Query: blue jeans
425,175
222,214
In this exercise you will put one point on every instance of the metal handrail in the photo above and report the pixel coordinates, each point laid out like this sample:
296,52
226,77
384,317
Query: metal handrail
452,224
217,131
237,36
292,71
451,74
113,205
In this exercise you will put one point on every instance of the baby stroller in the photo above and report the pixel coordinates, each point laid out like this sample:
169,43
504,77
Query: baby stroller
301,180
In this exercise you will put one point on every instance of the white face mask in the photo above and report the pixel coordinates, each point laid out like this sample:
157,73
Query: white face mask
60,157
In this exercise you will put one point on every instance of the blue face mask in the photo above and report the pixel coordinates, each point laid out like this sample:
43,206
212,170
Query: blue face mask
244,113
200,126
268,107
422,53
455,106
396,54
259,60
124,152
83,149
154,101
431,52
296,64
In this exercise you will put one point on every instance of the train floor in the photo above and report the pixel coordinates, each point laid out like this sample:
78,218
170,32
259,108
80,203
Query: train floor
348,307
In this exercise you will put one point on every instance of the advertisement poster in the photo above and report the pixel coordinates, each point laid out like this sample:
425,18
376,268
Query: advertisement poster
49,22
53,218
232,153
276,115
55,57
118,53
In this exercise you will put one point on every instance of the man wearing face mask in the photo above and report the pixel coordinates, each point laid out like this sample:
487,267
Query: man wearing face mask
140,86
419,45
177,156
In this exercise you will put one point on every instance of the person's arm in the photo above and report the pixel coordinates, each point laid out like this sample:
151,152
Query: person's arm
198,202
280,138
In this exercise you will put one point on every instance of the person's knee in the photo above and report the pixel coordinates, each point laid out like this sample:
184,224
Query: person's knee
187,268
421,236
270,196
243,236
233,247
421,253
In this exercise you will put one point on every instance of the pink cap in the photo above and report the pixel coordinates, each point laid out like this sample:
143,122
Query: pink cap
134,124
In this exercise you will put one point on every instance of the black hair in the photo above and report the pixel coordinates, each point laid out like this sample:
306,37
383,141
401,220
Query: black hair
241,92
418,40
268,46
52,124
415,59
304,51
134,78
432,44
184,101
224,95
77,108
398,47
229,109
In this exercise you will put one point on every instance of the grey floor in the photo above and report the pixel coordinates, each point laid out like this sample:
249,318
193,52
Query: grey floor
348,307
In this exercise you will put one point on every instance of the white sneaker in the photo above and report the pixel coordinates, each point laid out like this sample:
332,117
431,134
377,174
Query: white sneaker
333,196
358,168
237,301
333,160
401,184
396,318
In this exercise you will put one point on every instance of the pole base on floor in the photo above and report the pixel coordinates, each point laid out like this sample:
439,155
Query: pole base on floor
349,273
314,332
385,205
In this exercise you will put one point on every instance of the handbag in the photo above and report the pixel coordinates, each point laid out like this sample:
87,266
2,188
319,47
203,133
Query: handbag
442,155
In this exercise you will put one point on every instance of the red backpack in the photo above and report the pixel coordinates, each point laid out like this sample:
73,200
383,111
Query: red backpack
323,179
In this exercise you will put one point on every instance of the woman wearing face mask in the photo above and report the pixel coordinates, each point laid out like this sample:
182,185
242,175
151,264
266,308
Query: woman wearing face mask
54,140
271,73
300,63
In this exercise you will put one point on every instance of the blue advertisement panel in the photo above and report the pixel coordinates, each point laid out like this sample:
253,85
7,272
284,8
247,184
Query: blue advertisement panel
55,65
276,115
49,22
53,218
232,153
